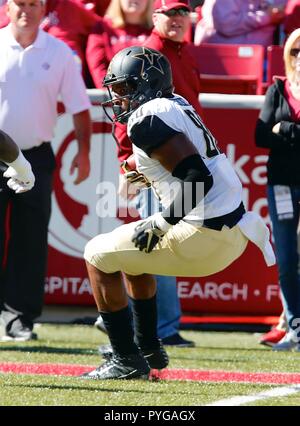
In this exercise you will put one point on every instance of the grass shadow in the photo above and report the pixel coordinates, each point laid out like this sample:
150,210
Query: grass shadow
50,350
116,389
222,348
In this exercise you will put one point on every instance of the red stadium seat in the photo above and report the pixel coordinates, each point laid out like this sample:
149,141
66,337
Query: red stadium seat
230,84
275,63
230,68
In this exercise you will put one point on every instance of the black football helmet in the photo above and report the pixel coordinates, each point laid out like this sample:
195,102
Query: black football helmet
136,75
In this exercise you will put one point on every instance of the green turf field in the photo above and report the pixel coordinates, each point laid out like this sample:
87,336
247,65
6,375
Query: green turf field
72,344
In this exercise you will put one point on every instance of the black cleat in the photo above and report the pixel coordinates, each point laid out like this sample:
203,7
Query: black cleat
178,341
121,367
106,351
157,358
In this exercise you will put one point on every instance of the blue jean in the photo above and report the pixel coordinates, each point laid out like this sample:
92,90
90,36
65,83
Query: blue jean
286,248
168,305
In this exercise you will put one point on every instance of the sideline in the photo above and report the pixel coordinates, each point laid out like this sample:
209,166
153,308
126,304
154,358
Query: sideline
241,400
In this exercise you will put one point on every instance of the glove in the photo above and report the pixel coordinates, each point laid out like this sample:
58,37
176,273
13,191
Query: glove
149,232
21,177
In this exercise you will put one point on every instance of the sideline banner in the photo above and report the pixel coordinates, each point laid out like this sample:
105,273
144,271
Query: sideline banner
246,287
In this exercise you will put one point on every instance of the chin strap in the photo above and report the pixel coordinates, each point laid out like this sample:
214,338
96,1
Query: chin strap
114,136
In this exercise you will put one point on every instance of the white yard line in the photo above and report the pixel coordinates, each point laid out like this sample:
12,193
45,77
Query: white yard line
273,393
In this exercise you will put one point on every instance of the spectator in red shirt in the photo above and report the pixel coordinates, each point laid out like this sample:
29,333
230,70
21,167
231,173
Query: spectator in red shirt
292,19
168,35
97,6
71,22
123,26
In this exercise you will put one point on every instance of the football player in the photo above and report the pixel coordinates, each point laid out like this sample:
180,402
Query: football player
202,229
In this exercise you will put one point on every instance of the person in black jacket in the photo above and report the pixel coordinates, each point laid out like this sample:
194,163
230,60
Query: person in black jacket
278,129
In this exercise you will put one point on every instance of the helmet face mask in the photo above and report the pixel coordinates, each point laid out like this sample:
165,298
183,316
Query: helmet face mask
121,101
135,76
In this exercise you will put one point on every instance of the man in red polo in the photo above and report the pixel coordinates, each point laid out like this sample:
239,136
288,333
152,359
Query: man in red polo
171,20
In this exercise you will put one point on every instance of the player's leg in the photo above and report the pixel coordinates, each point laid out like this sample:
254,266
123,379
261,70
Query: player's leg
126,362
184,251
168,304
142,292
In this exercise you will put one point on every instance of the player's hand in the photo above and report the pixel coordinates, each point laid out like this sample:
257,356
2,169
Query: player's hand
126,190
132,175
21,179
138,179
149,232
147,235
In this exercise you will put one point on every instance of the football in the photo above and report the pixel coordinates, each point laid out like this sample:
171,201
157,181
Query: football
129,164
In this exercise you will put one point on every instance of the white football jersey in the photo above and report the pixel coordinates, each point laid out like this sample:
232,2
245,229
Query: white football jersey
159,119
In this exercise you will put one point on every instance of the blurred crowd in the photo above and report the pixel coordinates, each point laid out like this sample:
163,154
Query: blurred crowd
96,29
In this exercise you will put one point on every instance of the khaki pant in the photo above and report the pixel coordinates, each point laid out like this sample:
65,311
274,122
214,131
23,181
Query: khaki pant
184,251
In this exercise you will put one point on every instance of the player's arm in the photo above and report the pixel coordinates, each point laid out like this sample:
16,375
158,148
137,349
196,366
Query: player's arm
179,156
19,172
9,151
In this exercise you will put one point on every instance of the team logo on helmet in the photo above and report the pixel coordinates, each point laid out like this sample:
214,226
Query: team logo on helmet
150,60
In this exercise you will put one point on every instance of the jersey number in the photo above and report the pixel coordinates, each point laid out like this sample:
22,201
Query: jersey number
211,143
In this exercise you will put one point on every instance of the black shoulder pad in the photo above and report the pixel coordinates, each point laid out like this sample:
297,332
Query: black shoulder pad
151,133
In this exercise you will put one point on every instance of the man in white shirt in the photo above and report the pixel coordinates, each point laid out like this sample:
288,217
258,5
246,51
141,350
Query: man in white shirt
35,69
202,229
